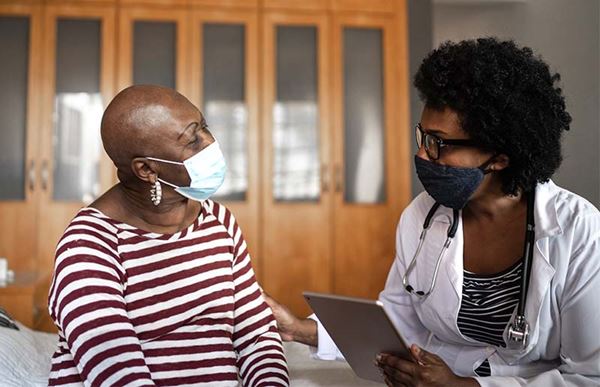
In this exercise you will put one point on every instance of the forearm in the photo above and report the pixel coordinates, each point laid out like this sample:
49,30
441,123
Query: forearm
305,332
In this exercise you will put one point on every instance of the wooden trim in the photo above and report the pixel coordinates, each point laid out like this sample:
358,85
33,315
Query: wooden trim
153,3
242,4
304,5
80,2
18,7
21,8
337,6
34,102
381,6
402,117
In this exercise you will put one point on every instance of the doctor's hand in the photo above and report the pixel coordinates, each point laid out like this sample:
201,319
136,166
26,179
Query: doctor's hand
292,328
427,370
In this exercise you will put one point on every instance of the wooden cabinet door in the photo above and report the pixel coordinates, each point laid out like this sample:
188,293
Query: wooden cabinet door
372,178
224,85
296,206
20,44
78,79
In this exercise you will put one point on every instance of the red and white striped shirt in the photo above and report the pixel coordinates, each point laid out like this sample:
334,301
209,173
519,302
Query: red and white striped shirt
144,309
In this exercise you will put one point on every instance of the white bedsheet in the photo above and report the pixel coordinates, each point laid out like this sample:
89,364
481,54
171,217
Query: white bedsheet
308,372
25,356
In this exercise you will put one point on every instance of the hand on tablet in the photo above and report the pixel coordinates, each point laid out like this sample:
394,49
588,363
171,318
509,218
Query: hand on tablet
292,328
427,370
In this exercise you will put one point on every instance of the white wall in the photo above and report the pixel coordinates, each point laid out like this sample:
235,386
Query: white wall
420,33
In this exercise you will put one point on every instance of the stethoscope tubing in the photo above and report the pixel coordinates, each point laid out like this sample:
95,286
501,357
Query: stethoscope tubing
527,253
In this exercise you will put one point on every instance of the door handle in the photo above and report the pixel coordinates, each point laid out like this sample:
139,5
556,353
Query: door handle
339,180
324,178
31,175
44,175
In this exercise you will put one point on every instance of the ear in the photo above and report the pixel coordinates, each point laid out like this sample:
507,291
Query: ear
141,167
499,162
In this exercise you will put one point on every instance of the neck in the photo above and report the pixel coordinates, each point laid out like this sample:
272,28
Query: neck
171,214
492,204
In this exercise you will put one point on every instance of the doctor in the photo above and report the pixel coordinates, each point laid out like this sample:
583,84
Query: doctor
503,289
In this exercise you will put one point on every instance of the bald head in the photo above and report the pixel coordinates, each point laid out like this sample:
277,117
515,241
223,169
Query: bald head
139,119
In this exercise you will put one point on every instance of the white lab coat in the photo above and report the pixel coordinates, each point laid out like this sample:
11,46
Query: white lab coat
563,302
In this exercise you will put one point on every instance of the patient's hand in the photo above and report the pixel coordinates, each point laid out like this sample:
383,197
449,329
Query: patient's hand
292,328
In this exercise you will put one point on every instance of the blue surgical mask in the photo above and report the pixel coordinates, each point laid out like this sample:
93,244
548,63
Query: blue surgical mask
450,186
206,170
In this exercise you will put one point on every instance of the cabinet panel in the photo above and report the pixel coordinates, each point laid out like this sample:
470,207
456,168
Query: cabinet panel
296,231
371,134
79,79
20,28
224,84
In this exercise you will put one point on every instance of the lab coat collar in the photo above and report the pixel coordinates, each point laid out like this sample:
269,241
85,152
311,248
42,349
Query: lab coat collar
546,212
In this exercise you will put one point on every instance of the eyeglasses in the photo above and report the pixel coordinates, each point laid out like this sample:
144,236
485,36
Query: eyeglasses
433,144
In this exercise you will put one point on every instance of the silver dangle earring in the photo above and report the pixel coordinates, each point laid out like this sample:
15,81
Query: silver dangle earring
156,193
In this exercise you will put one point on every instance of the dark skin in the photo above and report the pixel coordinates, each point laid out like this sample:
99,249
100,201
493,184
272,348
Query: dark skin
494,234
155,122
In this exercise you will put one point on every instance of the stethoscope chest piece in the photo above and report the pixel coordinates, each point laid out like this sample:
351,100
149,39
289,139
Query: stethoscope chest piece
518,333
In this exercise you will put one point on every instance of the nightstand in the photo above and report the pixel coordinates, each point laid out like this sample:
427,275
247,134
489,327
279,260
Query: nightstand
18,297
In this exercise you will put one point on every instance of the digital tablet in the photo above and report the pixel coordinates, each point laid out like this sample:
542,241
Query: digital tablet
360,328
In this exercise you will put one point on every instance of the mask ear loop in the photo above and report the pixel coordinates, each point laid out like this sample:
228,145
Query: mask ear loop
168,162
165,161
483,167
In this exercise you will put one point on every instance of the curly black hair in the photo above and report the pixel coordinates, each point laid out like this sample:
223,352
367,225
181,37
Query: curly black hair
506,99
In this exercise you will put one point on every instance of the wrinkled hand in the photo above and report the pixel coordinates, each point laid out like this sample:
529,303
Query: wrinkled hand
427,370
286,321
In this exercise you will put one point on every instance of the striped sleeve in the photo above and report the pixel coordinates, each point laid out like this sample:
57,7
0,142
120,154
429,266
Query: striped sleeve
87,304
261,361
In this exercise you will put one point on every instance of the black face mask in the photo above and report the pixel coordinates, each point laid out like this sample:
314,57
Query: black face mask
450,186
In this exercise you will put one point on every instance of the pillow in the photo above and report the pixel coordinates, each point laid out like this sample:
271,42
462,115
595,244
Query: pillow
6,321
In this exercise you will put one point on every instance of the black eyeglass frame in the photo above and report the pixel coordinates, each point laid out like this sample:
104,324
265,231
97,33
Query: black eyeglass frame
440,142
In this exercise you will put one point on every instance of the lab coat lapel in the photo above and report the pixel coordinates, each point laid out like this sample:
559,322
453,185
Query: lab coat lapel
542,272
539,282
441,306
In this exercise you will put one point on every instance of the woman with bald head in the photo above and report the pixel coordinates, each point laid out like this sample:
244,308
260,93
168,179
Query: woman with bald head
152,282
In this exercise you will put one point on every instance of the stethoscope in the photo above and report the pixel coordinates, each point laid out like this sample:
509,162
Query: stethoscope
518,330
